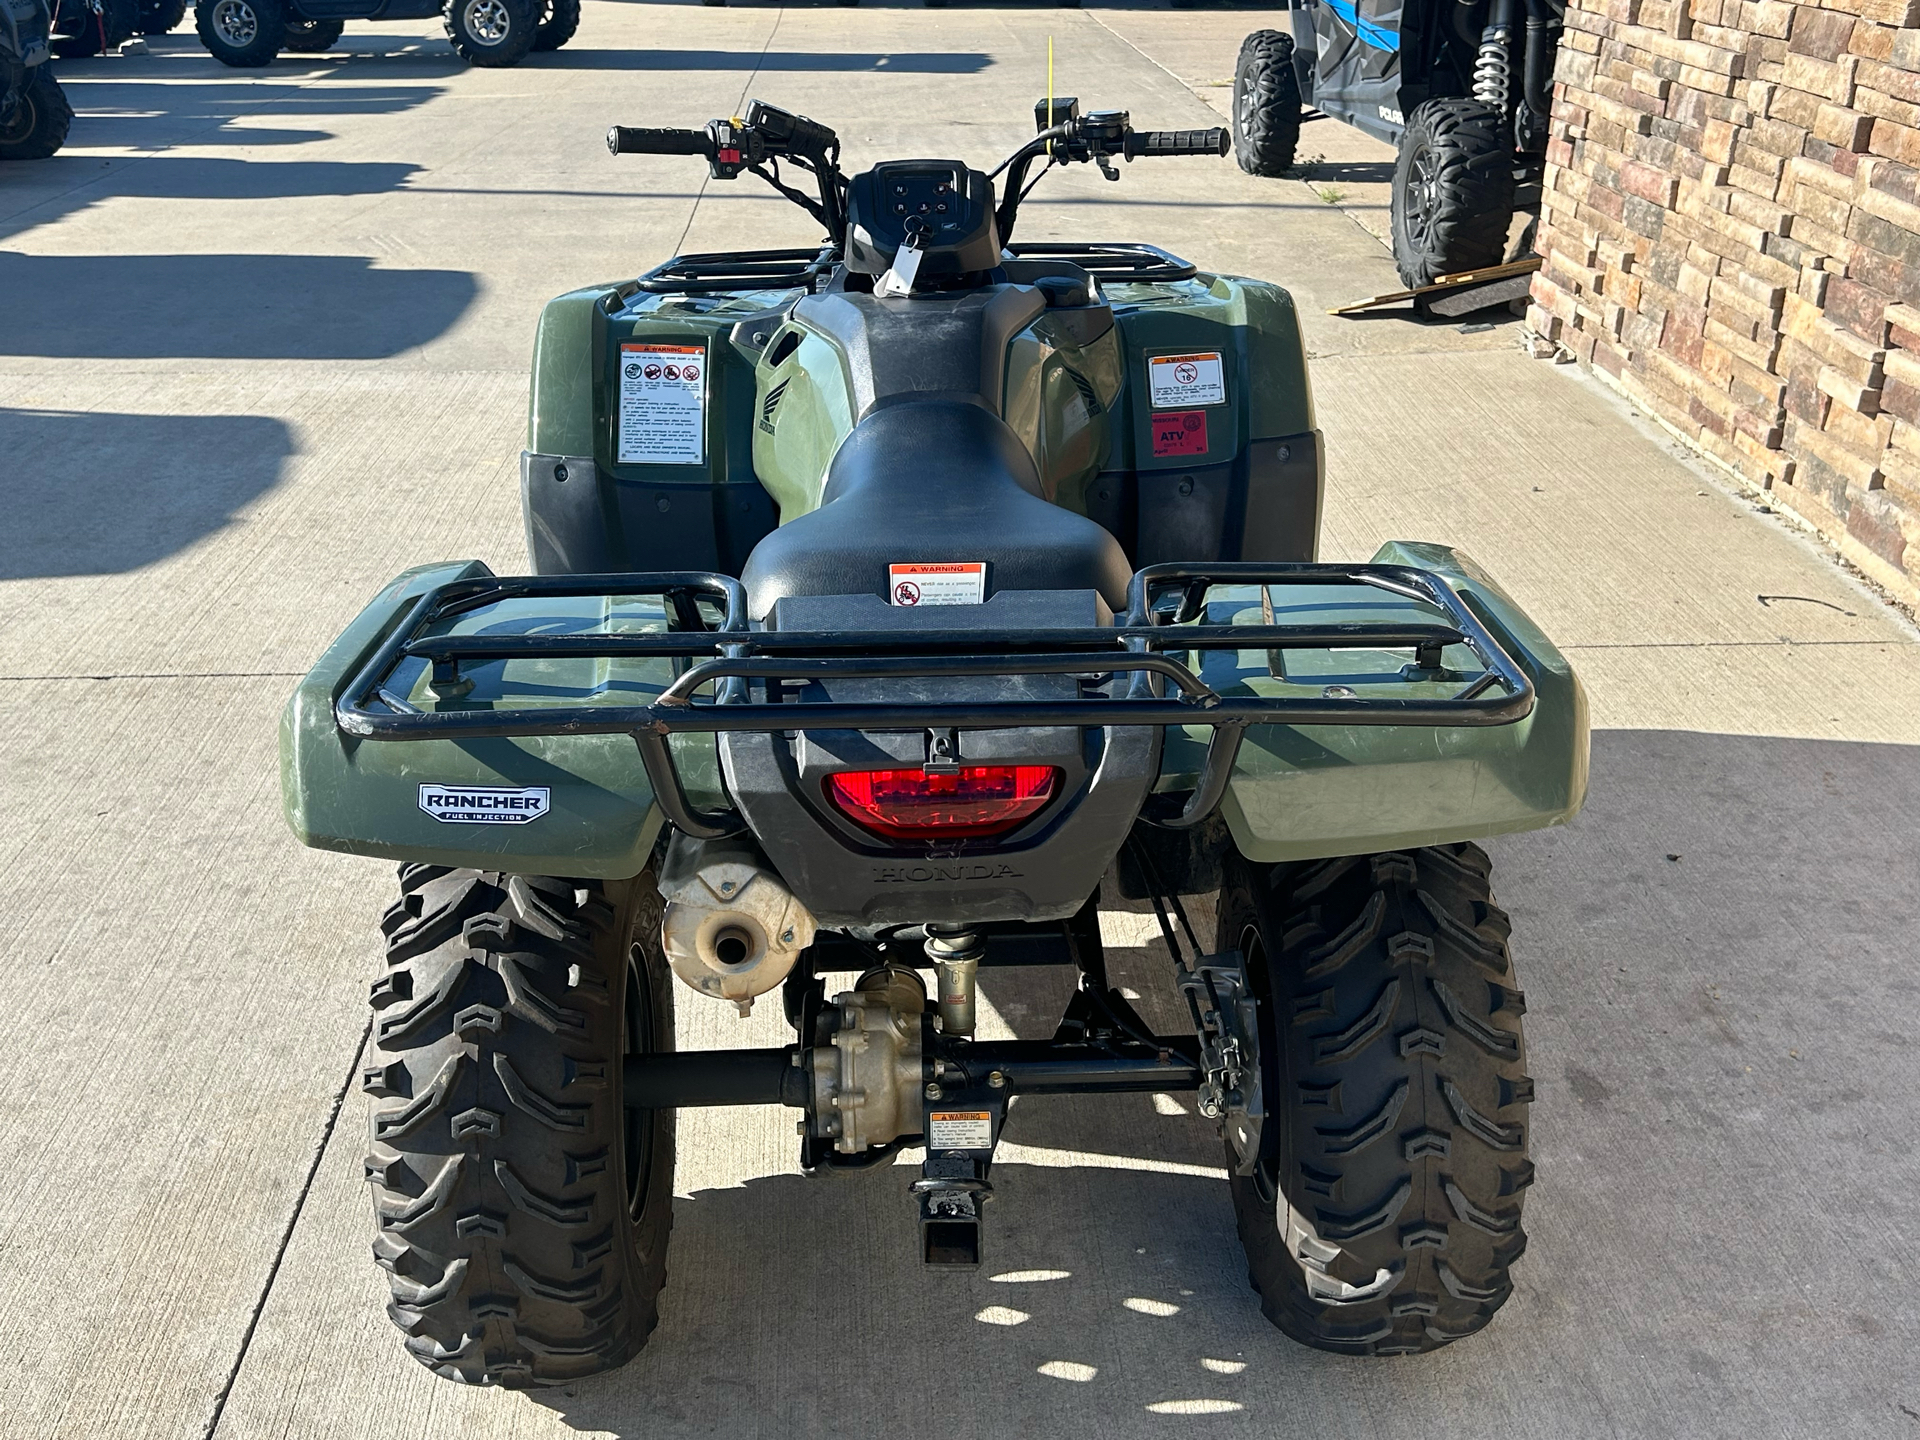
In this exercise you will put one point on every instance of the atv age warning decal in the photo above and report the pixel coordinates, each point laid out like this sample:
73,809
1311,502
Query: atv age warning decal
1181,434
1177,381
663,404
938,583
485,804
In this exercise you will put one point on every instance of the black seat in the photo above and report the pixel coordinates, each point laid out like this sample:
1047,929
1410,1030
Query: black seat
925,478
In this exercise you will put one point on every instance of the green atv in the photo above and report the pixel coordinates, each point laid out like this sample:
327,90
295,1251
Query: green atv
896,606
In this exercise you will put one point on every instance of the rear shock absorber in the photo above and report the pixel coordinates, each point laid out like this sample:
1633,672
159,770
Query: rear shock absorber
1493,64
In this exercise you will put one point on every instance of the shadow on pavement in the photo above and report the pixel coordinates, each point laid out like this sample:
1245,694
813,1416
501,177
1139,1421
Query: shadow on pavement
247,307
97,493
961,62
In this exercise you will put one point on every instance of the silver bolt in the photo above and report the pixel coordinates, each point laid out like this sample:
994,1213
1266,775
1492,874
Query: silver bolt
726,887
933,1092
786,936
997,1080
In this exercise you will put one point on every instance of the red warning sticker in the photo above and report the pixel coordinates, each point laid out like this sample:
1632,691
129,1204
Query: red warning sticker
1181,433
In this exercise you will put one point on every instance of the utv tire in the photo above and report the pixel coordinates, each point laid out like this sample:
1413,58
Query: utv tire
1266,104
118,19
521,1212
1452,191
313,37
160,17
1384,1210
41,118
558,20
245,34
492,34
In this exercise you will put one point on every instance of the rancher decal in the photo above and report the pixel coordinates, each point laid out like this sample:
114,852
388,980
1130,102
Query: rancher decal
485,804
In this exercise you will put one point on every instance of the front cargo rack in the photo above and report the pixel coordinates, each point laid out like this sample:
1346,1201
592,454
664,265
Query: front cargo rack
741,270
1114,262
1163,601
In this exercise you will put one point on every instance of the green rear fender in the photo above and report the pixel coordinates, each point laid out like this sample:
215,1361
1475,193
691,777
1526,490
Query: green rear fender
363,796
1308,792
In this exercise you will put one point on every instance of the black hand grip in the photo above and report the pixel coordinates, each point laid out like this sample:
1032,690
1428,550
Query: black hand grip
625,140
1176,142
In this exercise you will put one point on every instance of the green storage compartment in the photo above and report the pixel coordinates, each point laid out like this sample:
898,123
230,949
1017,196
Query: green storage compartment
1306,792
596,817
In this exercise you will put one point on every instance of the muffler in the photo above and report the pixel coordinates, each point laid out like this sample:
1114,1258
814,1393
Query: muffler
732,929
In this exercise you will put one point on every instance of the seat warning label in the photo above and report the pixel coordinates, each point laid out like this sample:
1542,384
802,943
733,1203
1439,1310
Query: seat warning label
960,1130
663,405
1182,434
1177,381
485,804
961,582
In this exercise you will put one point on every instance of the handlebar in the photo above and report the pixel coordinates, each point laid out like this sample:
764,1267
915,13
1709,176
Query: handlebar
1176,142
628,140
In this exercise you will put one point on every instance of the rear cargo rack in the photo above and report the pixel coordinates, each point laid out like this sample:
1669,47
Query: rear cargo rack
1163,603
1116,262
740,270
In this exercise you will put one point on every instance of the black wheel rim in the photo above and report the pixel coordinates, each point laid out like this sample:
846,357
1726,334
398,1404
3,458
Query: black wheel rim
1423,200
25,116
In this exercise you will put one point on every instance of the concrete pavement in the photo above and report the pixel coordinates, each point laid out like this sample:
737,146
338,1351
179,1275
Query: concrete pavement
263,344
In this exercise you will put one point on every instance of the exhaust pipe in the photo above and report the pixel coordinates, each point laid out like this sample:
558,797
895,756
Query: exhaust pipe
732,929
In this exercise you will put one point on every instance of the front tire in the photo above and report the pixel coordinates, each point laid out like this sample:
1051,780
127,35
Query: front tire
1452,191
1266,104
1383,1213
522,1213
41,118
492,34
84,31
313,37
558,20
245,34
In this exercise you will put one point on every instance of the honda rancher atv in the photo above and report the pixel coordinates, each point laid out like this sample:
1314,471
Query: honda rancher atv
896,607
493,33
34,113
1461,87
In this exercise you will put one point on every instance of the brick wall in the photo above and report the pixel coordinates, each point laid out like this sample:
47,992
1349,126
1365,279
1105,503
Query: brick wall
1731,235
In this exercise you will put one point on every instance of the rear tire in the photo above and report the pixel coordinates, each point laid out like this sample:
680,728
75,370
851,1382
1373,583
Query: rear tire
41,118
160,17
558,20
1384,1212
313,37
521,1212
1266,104
492,34
245,34
1452,191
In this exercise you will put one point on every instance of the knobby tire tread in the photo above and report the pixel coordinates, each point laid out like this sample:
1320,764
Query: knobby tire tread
1266,104
499,1187
1474,190
1397,1109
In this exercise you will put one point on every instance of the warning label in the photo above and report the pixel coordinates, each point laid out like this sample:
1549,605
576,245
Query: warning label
1182,434
485,804
960,1130
1175,381
933,583
663,405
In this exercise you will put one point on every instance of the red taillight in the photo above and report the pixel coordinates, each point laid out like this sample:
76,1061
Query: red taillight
972,801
